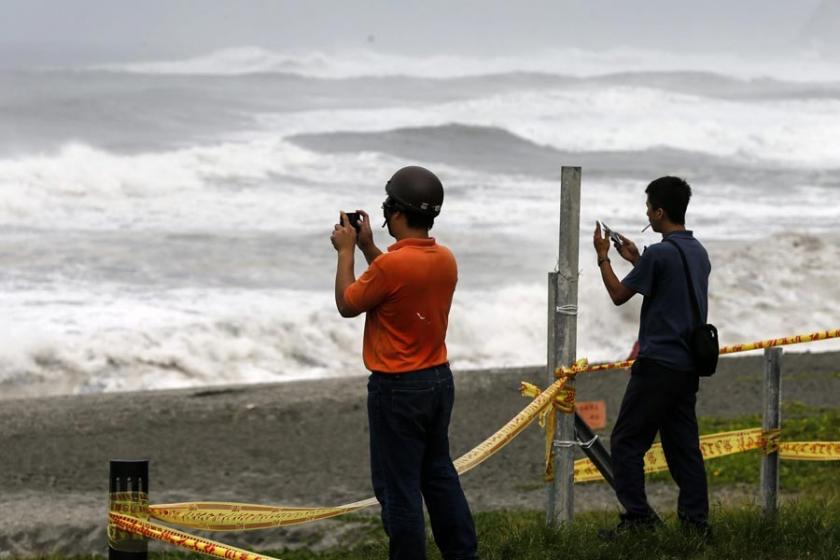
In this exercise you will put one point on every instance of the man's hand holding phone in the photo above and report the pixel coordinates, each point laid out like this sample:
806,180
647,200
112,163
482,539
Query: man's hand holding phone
613,235
627,249
601,243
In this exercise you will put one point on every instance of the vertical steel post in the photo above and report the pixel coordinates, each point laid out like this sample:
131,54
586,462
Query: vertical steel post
562,340
772,421
129,494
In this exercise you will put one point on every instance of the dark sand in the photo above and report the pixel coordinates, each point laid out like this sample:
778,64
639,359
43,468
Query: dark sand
303,443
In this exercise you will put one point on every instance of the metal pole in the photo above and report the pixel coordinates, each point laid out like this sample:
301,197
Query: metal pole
129,494
562,340
772,420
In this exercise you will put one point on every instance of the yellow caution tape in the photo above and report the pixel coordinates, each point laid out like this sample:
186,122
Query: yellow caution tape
810,450
509,431
220,516
225,516
797,339
134,504
151,530
712,446
548,422
721,444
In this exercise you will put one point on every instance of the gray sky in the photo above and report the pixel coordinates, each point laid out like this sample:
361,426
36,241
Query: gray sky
39,31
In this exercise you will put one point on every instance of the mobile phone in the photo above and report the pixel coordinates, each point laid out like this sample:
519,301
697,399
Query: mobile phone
612,233
354,218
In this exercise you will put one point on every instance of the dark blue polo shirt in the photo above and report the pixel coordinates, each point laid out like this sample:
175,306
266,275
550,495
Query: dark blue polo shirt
667,314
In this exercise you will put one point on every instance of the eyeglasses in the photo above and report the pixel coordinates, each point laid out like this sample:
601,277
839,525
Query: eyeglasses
389,207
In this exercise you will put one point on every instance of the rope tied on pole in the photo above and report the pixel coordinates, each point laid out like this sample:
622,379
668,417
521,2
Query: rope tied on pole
567,309
563,401
771,441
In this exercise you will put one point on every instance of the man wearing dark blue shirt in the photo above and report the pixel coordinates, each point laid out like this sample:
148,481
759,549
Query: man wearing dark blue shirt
662,391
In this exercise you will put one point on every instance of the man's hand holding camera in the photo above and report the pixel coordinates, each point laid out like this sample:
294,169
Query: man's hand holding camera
344,235
344,240
365,238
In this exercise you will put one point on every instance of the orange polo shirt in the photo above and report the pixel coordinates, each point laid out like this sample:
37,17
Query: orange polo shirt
407,293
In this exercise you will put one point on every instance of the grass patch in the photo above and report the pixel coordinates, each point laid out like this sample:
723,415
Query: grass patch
807,529
800,531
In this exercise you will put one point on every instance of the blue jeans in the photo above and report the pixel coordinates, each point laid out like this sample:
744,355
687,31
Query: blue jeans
409,455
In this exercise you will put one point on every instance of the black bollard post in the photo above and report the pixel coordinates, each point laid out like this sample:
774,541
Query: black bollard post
129,494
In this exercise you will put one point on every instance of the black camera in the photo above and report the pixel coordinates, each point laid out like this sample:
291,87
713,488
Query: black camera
354,218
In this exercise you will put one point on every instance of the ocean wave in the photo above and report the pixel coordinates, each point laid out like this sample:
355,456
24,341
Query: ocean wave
166,340
788,132
494,178
352,63
496,150
297,161
235,185
183,338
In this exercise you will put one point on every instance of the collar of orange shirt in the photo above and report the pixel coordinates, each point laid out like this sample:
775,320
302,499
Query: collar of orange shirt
412,242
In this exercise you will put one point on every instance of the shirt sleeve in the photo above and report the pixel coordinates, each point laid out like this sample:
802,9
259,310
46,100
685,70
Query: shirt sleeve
369,290
640,279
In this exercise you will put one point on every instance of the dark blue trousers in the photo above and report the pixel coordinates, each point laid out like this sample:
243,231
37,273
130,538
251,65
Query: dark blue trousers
659,399
409,454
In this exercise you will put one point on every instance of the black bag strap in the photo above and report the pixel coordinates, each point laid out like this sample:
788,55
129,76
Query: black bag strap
694,300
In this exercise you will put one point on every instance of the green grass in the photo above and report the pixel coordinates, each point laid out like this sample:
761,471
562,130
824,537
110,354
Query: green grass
803,530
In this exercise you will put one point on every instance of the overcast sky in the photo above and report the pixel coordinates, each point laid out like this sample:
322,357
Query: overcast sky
71,30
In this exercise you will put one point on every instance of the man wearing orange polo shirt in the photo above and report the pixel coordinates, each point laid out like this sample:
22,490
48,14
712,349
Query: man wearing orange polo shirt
406,294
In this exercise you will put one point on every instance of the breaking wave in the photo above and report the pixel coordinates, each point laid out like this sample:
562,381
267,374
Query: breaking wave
185,338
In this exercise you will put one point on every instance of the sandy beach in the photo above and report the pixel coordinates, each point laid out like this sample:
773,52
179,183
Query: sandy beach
302,443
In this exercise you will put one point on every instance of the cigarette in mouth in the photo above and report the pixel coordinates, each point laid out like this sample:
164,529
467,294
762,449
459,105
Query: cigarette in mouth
647,226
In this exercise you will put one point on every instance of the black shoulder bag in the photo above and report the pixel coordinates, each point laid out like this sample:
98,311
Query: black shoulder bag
703,339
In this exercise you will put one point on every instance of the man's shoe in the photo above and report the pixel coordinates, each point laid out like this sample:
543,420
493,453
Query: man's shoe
631,524
701,530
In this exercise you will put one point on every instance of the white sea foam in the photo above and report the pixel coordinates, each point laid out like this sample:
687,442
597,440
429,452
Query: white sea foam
805,66
184,338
